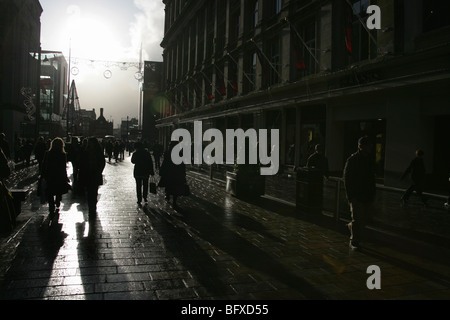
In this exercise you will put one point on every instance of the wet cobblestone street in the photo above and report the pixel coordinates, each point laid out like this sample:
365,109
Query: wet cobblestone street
214,246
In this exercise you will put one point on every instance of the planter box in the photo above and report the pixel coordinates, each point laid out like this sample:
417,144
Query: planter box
248,187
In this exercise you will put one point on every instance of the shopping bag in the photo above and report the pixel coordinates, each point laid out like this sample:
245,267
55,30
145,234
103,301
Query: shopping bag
42,190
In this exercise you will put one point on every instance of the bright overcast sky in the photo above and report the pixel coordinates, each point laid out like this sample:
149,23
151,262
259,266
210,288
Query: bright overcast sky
105,30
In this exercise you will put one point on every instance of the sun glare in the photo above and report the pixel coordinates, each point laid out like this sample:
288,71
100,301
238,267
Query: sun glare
91,36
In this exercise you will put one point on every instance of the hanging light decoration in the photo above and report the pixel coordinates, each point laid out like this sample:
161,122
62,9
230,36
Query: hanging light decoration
75,71
107,73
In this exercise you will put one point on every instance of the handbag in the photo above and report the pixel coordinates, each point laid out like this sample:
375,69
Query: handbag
42,189
152,186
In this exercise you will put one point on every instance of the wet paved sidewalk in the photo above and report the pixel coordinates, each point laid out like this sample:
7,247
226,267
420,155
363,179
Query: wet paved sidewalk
213,246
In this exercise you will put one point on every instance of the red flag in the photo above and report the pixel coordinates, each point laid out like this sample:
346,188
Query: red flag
297,50
221,84
349,29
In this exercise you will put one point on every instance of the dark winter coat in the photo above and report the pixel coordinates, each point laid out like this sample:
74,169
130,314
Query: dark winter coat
318,161
417,171
173,176
5,171
92,164
359,178
143,163
54,172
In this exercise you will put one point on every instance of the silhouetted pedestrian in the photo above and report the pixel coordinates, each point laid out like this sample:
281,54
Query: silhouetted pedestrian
4,145
318,161
173,177
54,171
7,210
27,151
109,149
143,168
92,164
157,153
360,186
5,171
417,171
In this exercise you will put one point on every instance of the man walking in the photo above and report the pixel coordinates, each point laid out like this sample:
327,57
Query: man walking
359,179
417,171
143,168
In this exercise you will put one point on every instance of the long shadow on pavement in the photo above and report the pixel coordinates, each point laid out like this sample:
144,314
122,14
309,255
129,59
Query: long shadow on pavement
207,219
180,242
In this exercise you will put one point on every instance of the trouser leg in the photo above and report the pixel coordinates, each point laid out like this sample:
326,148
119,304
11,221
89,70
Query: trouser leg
419,191
145,188
92,194
360,216
139,188
51,203
58,200
408,192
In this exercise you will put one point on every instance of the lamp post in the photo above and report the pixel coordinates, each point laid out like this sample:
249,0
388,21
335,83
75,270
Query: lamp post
68,90
38,95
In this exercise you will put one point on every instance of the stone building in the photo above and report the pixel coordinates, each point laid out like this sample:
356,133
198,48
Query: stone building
101,127
315,71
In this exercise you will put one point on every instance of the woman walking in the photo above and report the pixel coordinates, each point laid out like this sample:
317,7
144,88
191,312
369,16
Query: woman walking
173,177
54,171
92,163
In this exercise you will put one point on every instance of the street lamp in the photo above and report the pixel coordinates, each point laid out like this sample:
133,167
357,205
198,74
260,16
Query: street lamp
38,95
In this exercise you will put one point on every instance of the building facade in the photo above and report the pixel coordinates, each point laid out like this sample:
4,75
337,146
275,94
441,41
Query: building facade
20,29
101,127
314,70
151,99
53,89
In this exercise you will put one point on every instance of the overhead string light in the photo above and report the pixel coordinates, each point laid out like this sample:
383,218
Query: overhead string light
108,65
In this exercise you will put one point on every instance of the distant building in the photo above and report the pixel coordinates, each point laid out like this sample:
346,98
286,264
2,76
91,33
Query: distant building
86,121
128,129
101,127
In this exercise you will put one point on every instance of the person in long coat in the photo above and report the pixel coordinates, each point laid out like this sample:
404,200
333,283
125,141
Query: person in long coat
360,187
54,171
143,168
7,210
173,177
92,164
418,173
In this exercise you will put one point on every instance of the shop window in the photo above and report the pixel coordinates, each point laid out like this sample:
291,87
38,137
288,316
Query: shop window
273,7
304,49
360,42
